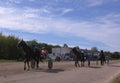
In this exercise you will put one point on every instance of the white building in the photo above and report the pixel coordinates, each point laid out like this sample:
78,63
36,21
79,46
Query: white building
60,51
65,50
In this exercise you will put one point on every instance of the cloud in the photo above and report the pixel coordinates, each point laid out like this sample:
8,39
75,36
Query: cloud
31,0
15,1
66,11
98,2
3,10
95,2
105,29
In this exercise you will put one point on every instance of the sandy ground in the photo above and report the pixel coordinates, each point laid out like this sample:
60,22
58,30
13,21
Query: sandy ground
62,72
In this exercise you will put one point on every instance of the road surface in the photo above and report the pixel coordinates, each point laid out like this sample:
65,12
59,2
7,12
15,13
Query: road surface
62,72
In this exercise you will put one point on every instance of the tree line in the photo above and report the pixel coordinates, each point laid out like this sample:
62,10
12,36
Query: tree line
112,55
10,51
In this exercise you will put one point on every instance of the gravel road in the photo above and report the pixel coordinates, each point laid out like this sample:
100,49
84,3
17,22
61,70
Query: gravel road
62,72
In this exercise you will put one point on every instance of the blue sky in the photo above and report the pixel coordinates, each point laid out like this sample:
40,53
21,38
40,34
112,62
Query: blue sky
83,23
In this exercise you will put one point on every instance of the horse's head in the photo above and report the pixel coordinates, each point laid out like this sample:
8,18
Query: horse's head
75,49
21,43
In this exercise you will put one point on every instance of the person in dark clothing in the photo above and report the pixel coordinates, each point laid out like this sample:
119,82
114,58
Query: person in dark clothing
102,57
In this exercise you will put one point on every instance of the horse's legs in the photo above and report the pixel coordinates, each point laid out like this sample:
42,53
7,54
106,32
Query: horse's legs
78,63
88,63
102,62
96,62
28,65
37,64
25,64
75,63
82,63
27,60
107,61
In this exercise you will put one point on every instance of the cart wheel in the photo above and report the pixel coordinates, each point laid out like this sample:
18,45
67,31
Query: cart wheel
32,64
50,63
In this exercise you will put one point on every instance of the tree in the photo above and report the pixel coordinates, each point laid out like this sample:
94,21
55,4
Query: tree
65,45
8,47
32,43
116,55
94,49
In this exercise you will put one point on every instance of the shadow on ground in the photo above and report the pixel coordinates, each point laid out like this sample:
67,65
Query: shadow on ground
54,70
96,67
114,65
50,70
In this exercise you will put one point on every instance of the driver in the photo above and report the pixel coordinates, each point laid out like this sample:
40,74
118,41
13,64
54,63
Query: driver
44,52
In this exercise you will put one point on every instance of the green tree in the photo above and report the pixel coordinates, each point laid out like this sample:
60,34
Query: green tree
65,45
32,43
94,49
116,55
8,47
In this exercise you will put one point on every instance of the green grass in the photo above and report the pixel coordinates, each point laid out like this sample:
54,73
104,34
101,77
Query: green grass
3,60
46,60
117,80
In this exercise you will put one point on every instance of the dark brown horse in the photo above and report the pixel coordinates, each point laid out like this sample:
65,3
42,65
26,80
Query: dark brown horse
78,56
30,54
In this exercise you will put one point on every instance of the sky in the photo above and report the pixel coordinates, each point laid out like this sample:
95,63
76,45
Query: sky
83,23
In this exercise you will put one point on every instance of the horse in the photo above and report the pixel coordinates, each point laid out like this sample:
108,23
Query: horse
30,54
78,56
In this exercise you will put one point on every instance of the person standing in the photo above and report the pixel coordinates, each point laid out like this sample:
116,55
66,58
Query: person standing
102,57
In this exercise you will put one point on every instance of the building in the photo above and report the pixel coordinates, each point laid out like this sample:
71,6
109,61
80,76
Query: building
65,53
60,51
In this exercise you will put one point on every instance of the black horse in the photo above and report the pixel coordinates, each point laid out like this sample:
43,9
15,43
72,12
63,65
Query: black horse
30,54
78,56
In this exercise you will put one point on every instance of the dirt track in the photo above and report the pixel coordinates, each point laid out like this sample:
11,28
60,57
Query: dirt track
62,72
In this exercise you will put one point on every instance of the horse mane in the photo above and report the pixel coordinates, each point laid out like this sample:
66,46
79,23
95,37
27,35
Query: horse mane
25,47
77,52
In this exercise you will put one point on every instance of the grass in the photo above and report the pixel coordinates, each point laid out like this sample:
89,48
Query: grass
117,80
3,60
46,60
